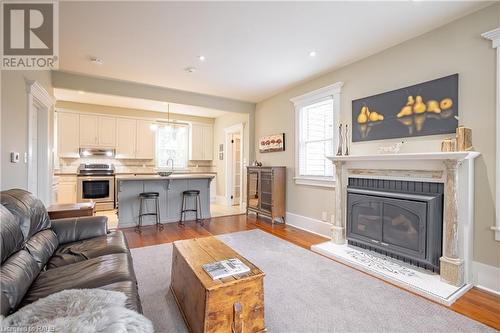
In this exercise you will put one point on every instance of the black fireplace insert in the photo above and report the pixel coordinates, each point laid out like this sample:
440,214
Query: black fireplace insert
401,219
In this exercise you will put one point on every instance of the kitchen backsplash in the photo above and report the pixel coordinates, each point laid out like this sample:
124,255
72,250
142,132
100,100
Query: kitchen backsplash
70,165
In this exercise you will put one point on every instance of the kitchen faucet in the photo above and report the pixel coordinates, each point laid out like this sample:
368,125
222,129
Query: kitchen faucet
171,159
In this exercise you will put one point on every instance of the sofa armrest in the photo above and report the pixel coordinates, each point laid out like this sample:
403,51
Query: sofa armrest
79,228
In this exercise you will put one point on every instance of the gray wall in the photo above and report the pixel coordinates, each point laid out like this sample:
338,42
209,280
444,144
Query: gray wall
14,123
454,48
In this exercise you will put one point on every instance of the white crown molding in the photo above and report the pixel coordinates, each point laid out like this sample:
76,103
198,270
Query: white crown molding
494,36
330,90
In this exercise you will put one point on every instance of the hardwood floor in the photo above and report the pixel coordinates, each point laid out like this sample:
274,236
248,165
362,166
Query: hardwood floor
476,304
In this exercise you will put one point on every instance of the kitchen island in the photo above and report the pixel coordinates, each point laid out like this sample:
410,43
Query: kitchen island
170,189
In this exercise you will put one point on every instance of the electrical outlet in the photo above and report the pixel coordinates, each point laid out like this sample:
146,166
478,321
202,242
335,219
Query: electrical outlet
324,216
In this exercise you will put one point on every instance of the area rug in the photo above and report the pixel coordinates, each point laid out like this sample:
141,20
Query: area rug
304,292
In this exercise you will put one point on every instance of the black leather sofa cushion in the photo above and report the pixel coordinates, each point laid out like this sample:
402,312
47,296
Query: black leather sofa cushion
11,236
17,274
92,273
41,246
79,228
70,253
129,288
29,210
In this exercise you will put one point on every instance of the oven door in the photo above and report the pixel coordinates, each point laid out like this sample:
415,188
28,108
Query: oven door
96,189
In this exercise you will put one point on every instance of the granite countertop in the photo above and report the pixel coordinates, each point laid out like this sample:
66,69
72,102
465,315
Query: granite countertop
171,177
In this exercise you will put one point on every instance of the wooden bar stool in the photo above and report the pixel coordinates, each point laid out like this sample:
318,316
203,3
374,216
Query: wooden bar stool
186,195
149,196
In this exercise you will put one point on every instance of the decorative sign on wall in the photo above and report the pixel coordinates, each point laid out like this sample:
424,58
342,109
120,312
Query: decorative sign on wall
271,143
427,108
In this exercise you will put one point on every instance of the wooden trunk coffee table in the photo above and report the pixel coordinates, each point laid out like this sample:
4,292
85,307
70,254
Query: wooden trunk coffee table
233,304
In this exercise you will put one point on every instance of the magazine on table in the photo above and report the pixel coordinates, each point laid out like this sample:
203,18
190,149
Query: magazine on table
225,268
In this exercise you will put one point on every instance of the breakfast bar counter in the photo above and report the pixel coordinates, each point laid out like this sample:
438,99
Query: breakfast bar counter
170,188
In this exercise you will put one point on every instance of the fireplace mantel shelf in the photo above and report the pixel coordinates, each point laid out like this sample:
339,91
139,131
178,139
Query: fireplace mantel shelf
458,156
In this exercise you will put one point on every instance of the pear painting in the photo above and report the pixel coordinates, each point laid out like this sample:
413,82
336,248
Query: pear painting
428,108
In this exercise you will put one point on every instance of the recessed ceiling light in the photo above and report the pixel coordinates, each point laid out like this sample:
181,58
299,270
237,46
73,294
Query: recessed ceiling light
312,53
96,61
190,69
201,58
81,92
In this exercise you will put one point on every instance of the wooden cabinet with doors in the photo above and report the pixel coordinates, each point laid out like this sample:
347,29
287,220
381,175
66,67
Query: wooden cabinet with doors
125,137
145,142
97,131
201,142
266,191
66,190
134,139
67,135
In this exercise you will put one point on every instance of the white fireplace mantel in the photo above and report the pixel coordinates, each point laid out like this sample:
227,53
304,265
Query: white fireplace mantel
457,156
453,169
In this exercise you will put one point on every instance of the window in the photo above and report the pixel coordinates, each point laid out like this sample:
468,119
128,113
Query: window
172,143
316,135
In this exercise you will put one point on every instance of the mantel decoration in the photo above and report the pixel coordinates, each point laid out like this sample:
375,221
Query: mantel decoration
272,143
427,108
343,143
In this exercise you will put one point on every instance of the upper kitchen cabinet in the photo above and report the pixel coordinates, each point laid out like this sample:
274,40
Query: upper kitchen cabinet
67,133
201,142
135,139
97,131
89,131
107,132
146,139
125,137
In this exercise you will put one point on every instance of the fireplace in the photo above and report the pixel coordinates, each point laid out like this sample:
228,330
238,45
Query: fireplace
400,219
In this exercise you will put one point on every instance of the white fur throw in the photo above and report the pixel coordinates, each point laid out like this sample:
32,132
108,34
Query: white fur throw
78,311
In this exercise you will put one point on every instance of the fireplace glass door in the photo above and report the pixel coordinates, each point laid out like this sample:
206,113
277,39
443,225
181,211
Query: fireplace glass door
390,224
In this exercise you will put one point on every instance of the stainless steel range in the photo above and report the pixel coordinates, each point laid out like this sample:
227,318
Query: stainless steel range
96,183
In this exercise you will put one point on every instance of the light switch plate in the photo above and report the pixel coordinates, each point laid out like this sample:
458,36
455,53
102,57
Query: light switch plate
14,157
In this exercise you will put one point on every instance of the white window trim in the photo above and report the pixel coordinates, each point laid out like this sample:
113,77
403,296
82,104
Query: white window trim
494,36
334,91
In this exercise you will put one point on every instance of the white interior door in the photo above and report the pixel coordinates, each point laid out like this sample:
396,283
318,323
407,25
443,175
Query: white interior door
33,154
236,166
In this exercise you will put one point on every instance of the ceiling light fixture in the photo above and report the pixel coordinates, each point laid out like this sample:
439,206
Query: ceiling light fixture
201,58
312,53
190,69
81,92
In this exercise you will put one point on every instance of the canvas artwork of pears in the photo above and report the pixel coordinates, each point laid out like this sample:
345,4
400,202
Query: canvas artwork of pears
427,108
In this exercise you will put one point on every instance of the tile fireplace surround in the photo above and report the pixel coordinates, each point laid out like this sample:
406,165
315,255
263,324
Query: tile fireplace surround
456,171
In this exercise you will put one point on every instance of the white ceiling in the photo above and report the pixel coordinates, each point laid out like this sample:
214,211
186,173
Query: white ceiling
253,49
134,103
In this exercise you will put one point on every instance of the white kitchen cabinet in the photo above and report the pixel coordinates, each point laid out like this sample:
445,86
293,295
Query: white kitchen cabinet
66,190
97,131
107,132
67,135
126,137
201,142
89,131
145,142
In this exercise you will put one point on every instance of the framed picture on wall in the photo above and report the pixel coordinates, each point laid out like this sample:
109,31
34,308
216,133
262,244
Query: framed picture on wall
272,143
427,108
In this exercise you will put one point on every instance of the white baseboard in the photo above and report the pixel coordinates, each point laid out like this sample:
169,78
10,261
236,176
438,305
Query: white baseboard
486,277
311,225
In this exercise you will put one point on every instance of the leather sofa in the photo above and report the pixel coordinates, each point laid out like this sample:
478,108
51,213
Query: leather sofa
42,256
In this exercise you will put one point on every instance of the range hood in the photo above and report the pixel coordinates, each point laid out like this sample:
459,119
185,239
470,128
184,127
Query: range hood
100,152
